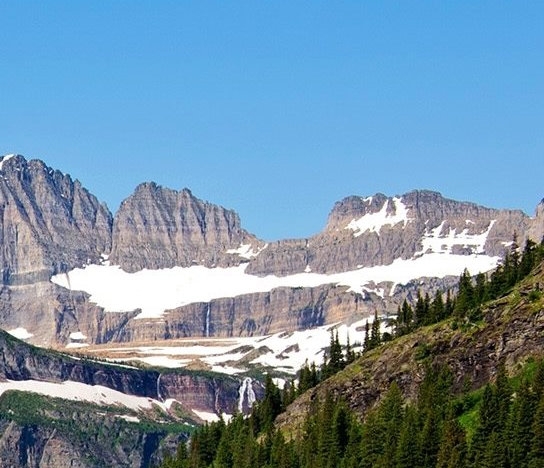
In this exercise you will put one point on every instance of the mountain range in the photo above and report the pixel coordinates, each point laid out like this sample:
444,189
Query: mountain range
171,281
168,265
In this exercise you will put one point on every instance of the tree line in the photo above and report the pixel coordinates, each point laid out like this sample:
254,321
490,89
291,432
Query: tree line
508,429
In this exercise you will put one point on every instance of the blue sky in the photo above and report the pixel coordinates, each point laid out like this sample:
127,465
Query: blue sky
279,109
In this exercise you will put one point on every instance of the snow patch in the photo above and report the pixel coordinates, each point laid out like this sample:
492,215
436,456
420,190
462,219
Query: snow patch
436,241
374,222
21,333
76,391
246,251
77,336
207,416
156,291
7,157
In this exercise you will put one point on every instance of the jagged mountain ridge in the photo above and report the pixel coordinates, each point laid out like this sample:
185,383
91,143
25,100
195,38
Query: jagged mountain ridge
51,225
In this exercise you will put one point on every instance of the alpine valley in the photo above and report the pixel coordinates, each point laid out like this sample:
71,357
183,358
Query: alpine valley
123,331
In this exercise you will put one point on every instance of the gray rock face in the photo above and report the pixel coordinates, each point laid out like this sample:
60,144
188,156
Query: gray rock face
282,309
48,222
536,230
162,228
393,228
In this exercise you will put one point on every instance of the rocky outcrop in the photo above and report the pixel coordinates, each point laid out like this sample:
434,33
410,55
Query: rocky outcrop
208,392
48,222
63,433
282,309
511,333
81,439
536,230
365,232
162,228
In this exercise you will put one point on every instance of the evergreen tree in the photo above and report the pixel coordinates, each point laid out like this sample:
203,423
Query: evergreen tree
520,425
480,290
421,310
536,457
465,296
350,354
408,453
375,336
366,343
437,308
449,307
487,422
391,415
495,454
528,258
453,448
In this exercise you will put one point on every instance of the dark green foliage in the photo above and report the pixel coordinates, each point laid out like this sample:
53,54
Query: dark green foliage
336,361
426,433
472,293
375,335
499,426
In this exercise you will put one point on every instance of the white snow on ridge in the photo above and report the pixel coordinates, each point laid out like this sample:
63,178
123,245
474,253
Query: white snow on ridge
21,333
155,291
76,391
286,352
373,222
5,158
246,251
437,242
77,336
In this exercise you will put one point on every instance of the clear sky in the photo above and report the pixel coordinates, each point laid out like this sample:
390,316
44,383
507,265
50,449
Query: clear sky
278,109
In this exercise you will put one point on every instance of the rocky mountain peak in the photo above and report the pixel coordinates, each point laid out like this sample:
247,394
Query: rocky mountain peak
49,223
158,227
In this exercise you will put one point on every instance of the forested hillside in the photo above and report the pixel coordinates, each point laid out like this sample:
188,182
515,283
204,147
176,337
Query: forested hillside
460,383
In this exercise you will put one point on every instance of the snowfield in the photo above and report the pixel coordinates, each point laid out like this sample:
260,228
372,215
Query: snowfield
284,352
76,391
156,291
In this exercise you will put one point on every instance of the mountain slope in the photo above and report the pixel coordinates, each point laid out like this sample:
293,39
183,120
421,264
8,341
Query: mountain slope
170,266
512,331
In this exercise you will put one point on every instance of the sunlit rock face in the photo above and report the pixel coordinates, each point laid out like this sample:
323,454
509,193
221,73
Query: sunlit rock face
170,265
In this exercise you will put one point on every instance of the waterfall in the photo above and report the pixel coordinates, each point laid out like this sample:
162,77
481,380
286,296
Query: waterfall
159,388
207,326
246,389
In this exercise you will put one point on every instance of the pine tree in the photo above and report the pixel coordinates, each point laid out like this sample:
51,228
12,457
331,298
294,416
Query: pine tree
480,290
465,296
528,258
421,310
437,308
391,415
536,457
366,343
520,425
408,453
453,448
487,422
375,336
350,354
449,307
495,454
